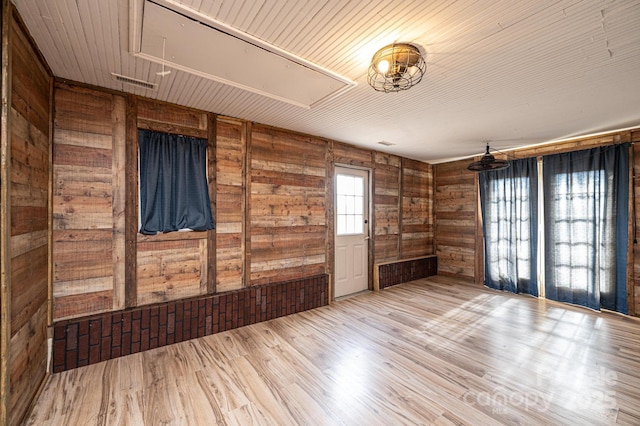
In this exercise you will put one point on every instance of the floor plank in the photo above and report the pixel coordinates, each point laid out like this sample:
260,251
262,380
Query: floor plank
434,351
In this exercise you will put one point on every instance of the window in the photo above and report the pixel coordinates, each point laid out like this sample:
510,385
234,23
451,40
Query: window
586,226
350,204
174,193
585,222
509,211
577,236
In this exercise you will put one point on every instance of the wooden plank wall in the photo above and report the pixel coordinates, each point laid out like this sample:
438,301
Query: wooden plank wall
231,196
30,117
456,201
458,232
386,199
89,207
174,266
271,192
82,202
287,205
416,222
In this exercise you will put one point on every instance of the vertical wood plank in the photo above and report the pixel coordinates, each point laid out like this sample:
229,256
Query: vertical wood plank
400,204
50,209
330,219
211,175
432,208
371,254
203,255
635,164
246,195
372,227
635,190
131,204
5,212
119,157
631,308
244,141
479,258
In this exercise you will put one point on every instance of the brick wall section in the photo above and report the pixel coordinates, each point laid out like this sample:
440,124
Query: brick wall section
88,340
404,271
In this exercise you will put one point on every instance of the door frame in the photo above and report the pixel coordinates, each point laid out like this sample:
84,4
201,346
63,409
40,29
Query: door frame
331,221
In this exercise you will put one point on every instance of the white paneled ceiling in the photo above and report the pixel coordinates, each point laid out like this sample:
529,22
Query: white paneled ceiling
510,72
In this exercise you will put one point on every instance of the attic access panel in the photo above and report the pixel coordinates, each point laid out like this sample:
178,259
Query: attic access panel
205,47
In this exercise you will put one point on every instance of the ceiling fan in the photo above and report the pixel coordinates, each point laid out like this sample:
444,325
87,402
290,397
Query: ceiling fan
488,163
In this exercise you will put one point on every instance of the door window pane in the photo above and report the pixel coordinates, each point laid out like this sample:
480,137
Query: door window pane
349,204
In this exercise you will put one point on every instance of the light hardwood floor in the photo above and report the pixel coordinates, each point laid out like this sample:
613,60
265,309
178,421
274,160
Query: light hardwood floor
433,351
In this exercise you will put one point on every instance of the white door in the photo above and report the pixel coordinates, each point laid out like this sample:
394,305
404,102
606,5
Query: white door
352,231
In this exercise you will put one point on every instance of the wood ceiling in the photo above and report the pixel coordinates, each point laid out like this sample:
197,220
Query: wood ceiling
510,72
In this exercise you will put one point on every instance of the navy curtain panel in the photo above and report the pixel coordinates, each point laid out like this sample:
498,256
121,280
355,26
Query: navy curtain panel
586,220
509,203
173,183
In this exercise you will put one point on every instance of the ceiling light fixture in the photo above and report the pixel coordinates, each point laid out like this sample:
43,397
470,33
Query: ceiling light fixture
396,67
488,163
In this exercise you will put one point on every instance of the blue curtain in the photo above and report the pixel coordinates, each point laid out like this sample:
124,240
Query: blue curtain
586,219
509,203
174,192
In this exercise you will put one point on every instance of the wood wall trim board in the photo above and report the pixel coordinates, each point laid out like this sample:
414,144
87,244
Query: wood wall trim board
403,164
211,171
245,195
131,203
246,192
479,249
631,308
432,208
570,145
229,120
50,206
5,212
61,83
330,219
171,236
634,137
119,197
371,255
158,126
372,225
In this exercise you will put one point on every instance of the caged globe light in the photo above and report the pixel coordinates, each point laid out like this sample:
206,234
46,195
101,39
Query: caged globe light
396,67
